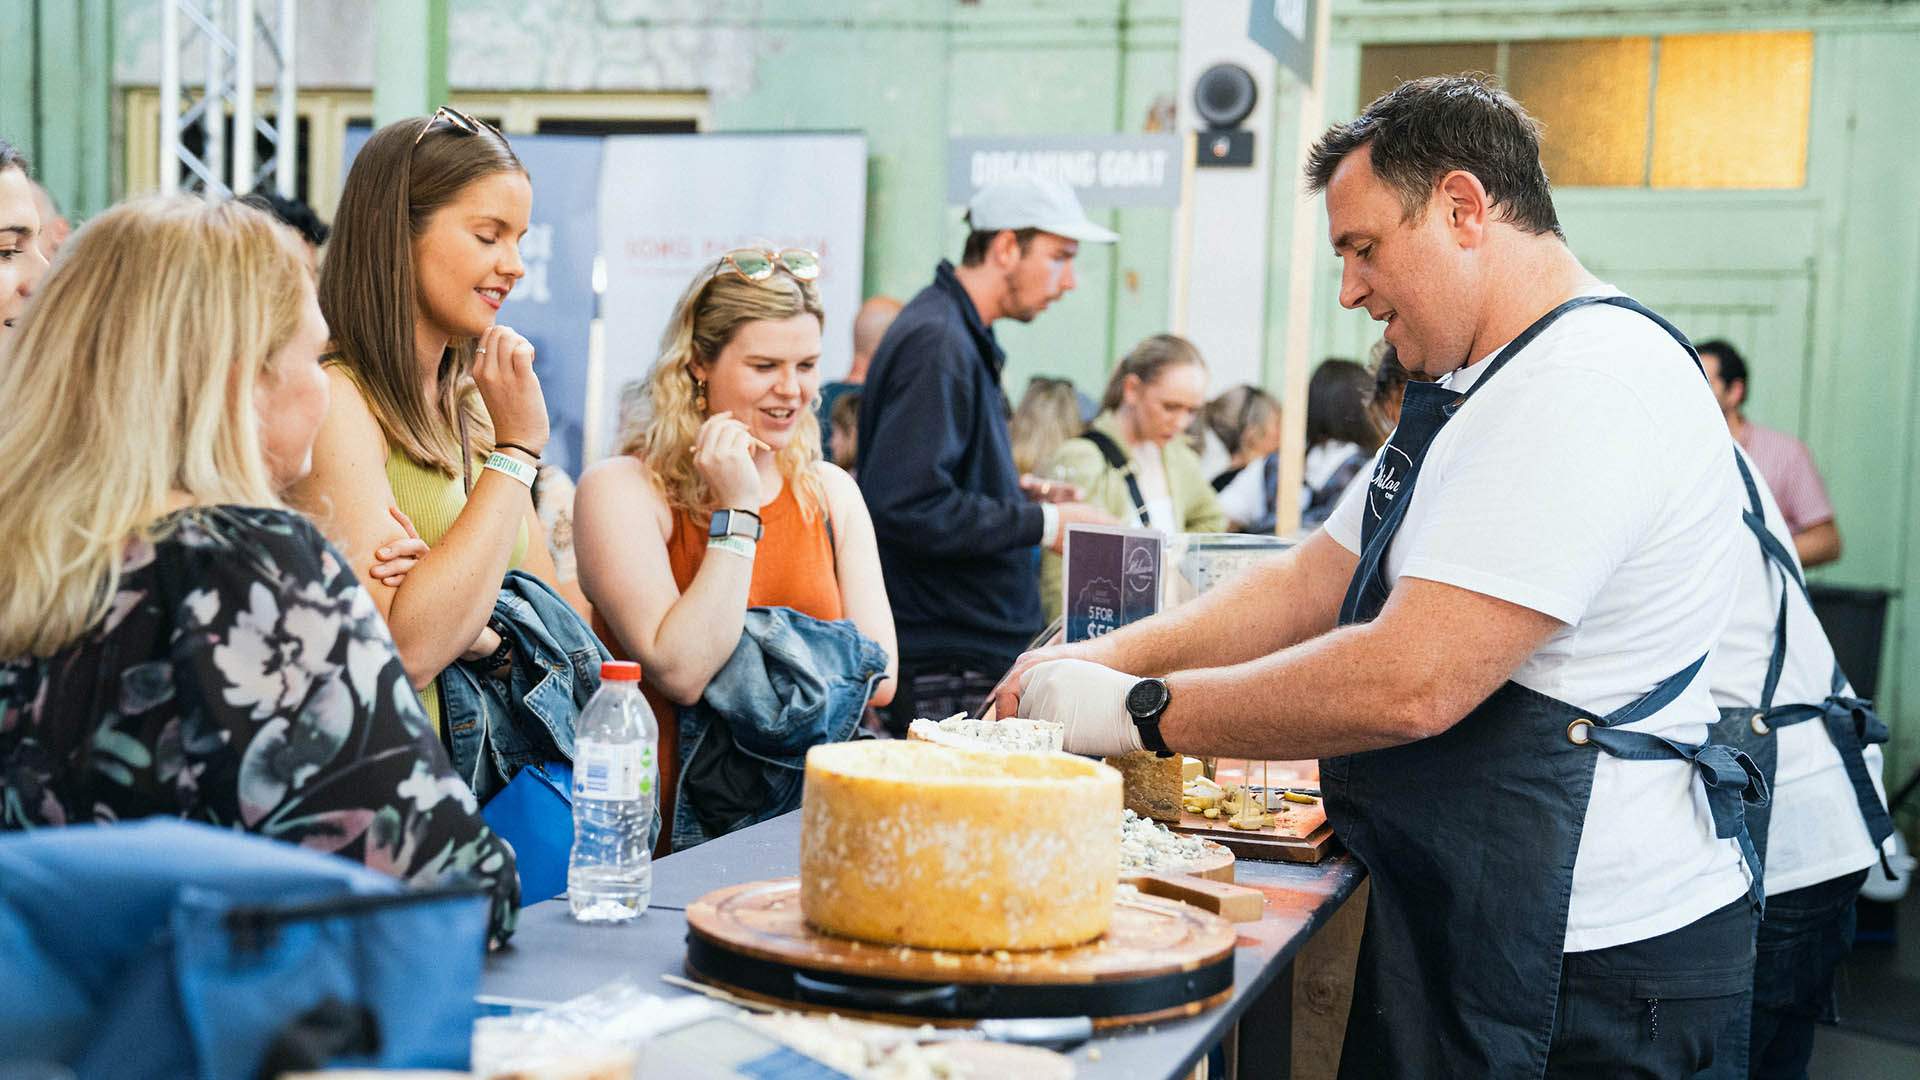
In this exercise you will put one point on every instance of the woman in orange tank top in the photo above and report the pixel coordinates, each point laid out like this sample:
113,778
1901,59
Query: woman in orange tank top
732,447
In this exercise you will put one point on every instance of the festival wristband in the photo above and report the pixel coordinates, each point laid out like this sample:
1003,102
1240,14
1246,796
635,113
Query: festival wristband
738,545
513,467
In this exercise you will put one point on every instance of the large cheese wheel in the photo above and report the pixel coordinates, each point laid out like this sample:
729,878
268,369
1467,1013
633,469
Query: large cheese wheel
911,843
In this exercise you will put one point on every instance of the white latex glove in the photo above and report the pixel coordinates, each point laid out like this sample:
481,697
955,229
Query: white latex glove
1089,699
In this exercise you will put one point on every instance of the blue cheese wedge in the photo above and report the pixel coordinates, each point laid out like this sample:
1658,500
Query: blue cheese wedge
1012,735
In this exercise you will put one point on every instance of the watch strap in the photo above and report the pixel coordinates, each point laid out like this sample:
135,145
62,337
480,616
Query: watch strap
731,522
1147,718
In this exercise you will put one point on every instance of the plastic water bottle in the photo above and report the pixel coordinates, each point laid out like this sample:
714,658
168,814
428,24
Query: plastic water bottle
610,873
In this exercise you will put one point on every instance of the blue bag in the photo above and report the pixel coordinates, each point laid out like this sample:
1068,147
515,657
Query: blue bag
535,814
164,948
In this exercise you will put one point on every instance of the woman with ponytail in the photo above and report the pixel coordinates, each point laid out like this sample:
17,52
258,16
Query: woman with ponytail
720,502
1133,461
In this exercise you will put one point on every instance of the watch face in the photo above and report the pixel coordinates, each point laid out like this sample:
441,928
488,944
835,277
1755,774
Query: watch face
1147,698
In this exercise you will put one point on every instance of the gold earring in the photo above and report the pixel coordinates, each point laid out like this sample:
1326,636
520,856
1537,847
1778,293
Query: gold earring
700,395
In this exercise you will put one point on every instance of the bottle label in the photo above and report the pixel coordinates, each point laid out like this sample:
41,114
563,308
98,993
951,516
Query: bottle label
619,772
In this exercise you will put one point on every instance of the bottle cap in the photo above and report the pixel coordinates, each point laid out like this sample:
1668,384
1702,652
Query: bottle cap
619,671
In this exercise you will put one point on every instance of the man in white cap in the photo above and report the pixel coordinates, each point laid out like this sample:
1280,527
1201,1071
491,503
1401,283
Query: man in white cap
956,530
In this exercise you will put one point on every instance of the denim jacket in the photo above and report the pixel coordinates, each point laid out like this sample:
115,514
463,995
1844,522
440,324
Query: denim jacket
792,683
495,726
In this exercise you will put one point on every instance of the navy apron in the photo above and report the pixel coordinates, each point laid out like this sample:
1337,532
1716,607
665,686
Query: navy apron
1851,722
1459,968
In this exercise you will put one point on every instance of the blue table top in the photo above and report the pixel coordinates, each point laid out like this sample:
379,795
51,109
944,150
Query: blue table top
552,958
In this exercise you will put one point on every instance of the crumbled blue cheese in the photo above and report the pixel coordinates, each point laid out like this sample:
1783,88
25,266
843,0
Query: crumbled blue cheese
1146,846
1013,734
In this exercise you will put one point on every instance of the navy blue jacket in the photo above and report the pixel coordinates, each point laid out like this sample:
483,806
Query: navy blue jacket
956,534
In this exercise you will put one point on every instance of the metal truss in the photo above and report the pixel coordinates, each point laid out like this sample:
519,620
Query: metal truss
229,32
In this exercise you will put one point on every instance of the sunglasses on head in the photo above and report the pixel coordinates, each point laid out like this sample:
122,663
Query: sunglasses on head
457,120
757,264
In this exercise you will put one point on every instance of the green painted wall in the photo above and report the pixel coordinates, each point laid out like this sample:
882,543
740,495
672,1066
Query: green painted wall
55,95
911,75
409,59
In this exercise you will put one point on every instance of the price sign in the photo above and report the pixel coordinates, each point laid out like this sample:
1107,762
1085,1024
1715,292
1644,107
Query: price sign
1112,578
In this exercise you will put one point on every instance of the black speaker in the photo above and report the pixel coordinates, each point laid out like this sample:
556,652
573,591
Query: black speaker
1224,95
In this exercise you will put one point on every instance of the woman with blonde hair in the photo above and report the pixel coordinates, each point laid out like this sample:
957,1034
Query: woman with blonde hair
173,640
1048,415
1246,421
720,503
436,410
1133,461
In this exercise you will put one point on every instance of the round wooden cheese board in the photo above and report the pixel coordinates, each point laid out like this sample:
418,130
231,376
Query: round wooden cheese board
1159,960
1217,866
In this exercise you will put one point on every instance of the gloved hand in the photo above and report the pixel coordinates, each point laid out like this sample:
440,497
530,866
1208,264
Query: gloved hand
1089,699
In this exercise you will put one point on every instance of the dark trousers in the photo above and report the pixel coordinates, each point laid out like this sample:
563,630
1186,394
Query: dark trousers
1663,1007
1805,934
937,687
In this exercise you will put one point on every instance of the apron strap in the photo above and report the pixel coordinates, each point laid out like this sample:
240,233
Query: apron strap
1853,725
1673,331
1733,782
1662,695
1851,722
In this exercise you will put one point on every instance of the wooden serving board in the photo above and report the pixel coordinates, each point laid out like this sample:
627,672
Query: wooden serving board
754,933
1301,835
1217,866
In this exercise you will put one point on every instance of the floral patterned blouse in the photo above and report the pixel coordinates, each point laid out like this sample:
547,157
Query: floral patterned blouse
242,677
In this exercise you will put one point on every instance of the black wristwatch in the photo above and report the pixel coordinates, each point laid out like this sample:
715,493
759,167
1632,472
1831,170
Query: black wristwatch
735,523
1146,703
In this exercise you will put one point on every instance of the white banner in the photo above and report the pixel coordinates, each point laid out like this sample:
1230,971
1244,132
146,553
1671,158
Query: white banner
671,204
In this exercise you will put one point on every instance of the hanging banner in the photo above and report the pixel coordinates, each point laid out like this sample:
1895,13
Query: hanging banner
1104,170
676,203
553,304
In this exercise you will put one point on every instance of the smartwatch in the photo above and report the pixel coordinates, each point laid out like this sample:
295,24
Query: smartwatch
735,523
1146,703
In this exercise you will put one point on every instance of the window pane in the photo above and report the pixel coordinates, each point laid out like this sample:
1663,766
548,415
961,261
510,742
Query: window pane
1383,67
1731,110
1590,96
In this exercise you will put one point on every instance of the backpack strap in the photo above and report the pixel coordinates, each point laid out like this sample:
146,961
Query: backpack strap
1117,459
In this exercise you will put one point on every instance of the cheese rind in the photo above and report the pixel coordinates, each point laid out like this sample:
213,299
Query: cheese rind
910,843
1153,784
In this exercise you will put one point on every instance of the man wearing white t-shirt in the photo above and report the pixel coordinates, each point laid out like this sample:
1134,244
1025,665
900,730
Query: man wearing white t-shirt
1498,673
1784,700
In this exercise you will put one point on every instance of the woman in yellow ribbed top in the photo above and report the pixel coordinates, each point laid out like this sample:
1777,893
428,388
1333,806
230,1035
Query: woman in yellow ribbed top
435,408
